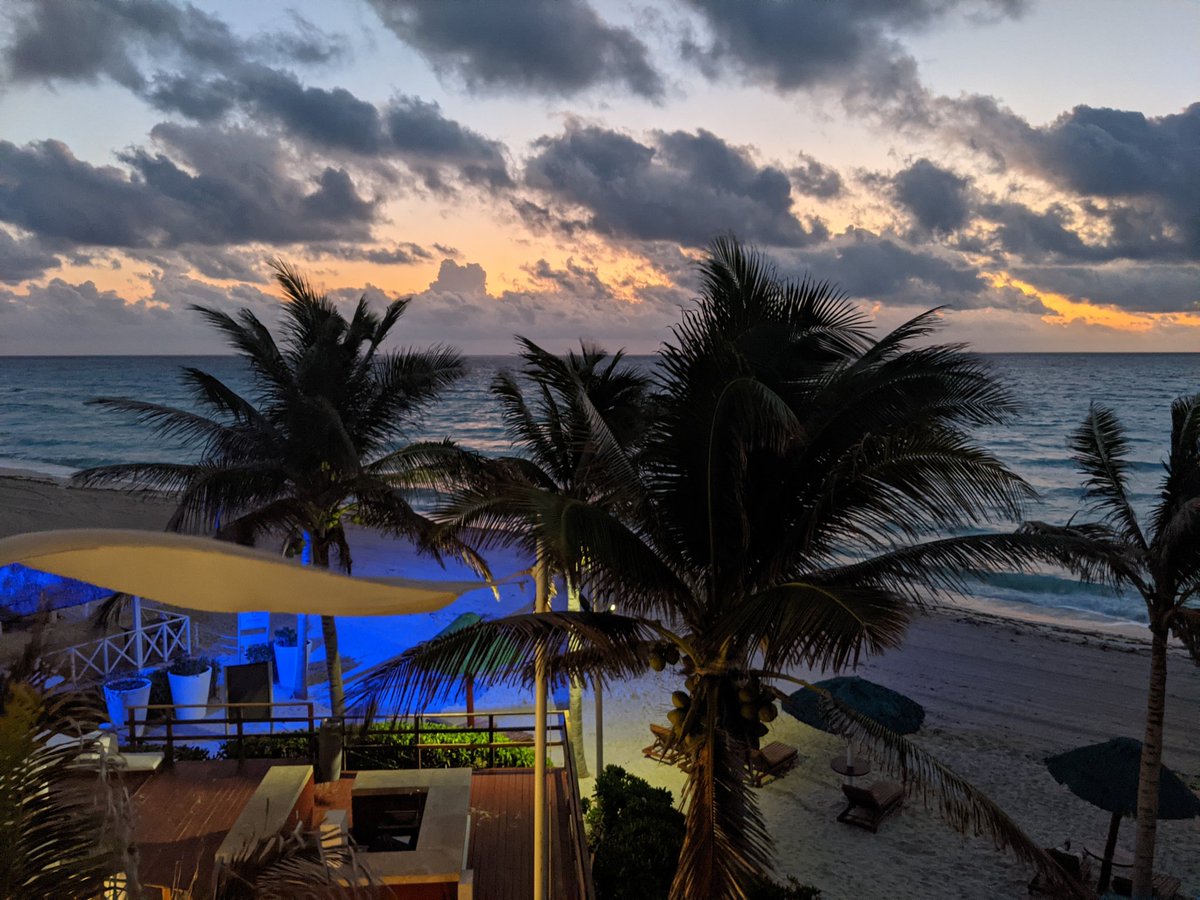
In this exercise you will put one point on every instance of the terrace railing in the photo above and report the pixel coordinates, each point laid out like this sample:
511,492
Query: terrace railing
424,734
152,644
425,739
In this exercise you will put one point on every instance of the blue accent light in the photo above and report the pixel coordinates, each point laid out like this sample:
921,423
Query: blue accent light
22,590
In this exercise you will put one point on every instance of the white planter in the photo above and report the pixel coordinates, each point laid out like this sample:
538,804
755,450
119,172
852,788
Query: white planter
189,693
287,659
123,693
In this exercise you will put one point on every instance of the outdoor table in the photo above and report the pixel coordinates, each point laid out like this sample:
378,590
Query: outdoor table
850,770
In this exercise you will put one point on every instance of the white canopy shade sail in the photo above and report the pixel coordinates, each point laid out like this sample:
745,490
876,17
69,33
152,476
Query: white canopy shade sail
215,576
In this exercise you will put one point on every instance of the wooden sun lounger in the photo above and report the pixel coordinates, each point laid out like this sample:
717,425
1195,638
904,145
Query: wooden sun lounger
869,807
663,748
1078,867
1164,886
771,761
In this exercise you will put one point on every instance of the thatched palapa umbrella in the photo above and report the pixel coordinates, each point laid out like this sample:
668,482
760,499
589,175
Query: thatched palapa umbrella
1106,775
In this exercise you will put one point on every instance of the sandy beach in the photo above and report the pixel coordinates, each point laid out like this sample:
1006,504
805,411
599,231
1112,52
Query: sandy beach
1000,695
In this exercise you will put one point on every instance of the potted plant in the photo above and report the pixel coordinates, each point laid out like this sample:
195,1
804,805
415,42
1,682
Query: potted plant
190,680
257,653
122,693
287,656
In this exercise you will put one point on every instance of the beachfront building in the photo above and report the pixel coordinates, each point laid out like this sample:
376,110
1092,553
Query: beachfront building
432,807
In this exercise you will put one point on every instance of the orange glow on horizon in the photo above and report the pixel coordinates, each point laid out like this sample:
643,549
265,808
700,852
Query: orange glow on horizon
1068,311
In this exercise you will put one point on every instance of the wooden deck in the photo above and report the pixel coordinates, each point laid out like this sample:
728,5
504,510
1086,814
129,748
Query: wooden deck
183,815
501,851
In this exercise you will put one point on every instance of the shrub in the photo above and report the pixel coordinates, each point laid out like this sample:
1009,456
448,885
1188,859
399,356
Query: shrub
125,684
385,746
259,653
185,752
635,833
192,665
286,637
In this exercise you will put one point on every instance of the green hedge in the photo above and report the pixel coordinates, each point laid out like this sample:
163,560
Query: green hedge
635,833
385,747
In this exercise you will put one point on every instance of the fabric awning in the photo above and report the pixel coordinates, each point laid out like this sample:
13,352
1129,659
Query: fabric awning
215,576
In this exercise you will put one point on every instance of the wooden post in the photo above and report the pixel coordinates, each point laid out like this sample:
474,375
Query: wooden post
541,605
599,687
138,647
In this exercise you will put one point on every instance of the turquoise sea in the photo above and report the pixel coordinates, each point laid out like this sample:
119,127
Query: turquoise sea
45,426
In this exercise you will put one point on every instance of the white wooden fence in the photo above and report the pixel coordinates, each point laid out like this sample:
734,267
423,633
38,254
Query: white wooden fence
135,649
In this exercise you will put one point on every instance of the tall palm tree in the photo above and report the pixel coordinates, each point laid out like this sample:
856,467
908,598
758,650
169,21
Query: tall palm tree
312,448
552,429
1161,562
773,518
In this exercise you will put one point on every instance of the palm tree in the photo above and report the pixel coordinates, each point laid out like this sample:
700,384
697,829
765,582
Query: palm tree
571,396
312,448
1162,563
772,518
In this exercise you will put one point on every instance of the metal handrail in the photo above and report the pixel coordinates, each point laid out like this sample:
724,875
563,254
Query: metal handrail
236,719
583,868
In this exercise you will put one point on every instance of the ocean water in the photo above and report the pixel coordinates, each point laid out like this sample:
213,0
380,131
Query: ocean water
45,425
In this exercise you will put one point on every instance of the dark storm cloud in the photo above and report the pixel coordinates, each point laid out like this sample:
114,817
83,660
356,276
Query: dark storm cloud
684,188
1158,288
557,47
407,128
84,40
23,258
815,179
399,254
936,198
1034,236
1141,173
870,267
805,43
234,193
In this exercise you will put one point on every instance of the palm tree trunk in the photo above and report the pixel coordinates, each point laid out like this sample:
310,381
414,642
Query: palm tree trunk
333,666
725,843
333,659
1147,802
575,698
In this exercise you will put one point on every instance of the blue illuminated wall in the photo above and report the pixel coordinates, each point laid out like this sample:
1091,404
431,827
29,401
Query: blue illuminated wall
22,590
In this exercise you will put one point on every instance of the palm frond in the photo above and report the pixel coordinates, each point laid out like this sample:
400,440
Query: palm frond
65,822
501,651
962,805
820,625
1100,447
291,865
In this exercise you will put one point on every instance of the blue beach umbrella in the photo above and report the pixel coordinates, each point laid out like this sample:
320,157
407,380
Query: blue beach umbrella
889,708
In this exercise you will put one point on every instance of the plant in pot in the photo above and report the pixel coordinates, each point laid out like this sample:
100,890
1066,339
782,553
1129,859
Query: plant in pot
190,680
257,653
287,656
121,694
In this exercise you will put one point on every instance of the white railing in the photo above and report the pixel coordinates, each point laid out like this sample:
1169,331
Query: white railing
131,650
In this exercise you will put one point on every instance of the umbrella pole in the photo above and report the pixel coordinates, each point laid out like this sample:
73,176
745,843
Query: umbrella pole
1110,848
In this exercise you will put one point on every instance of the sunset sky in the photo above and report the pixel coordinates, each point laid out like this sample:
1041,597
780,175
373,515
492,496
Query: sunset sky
554,167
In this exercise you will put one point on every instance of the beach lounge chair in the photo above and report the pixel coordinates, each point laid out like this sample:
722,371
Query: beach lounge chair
1078,867
771,761
1164,886
869,807
663,749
